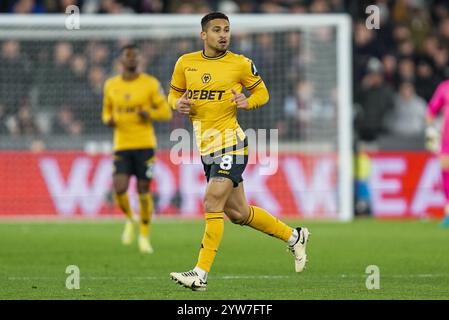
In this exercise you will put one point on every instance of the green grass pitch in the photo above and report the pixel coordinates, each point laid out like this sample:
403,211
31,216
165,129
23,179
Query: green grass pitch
412,256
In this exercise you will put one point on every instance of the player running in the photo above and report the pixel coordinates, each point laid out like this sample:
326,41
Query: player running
132,101
440,143
207,85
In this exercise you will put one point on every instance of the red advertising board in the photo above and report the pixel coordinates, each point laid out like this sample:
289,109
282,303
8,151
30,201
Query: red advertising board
71,184
405,185
76,184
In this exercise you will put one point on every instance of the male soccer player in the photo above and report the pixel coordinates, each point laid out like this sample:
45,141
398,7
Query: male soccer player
132,101
207,85
439,101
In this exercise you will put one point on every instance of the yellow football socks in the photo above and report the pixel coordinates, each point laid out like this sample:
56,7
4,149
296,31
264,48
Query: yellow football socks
145,210
213,234
122,201
263,221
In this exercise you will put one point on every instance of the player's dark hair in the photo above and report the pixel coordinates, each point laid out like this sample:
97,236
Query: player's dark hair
211,16
129,46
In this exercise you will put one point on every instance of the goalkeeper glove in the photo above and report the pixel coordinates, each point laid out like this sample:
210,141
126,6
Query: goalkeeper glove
432,139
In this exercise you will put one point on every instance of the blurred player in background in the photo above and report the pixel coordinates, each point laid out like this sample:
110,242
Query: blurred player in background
207,85
132,101
439,143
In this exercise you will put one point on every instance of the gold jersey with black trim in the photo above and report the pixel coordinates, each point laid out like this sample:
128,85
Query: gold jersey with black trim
208,82
122,101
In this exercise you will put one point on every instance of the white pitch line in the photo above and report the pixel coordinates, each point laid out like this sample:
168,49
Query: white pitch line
148,278
235,277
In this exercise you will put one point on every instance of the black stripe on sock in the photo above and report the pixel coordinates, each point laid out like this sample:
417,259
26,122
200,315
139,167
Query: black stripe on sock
251,216
245,222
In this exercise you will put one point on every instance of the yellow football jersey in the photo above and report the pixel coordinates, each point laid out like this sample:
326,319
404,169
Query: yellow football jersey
209,82
122,100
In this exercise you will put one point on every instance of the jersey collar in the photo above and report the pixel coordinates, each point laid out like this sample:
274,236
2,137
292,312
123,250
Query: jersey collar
213,58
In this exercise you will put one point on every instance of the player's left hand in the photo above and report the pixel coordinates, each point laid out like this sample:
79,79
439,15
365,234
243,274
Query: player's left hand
144,115
240,99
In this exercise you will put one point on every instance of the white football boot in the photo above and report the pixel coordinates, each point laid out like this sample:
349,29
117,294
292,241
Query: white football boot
299,249
189,279
145,245
128,233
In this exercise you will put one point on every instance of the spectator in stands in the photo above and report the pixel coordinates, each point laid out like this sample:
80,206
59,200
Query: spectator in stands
384,34
55,79
365,47
443,30
300,109
293,57
227,6
150,6
94,99
61,5
319,6
406,71
439,10
247,6
78,67
98,54
408,116
420,26
298,8
79,89
375,99
65,123
114,7
3,118
401,33
270,7
389,65
406,49
191,7
426,79
14,76
24,122
430,47
441,60
27,7
97,77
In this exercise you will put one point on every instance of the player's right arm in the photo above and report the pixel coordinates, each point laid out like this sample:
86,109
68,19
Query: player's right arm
106,116
177,97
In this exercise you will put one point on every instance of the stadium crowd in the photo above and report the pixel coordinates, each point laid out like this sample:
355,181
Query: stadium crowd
396,67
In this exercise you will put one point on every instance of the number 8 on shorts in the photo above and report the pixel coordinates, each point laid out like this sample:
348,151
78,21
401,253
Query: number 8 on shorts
226,162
